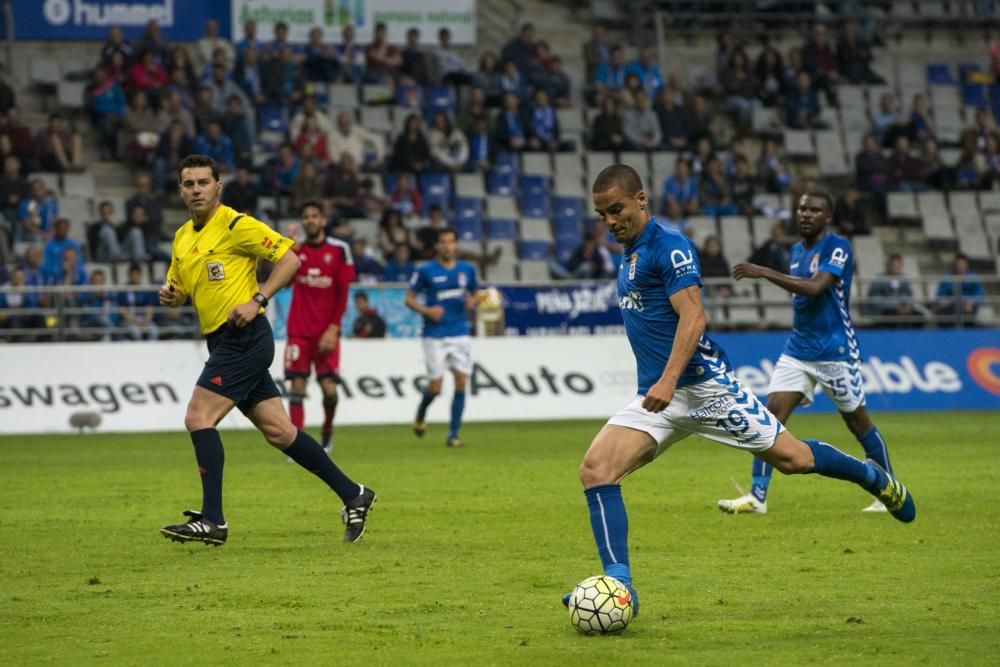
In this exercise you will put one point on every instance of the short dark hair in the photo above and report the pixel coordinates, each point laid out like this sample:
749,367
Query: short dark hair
195,160
446,230
962,256
310,203
820,194
361,295
620,175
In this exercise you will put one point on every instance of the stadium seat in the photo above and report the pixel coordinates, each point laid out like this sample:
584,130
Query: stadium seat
741,311
869,255
760,226
962,203
273,119
376,119
989,201
534,199
798,143
79,185
53,183
507,163
902,206
830,154
912,74
775,303
469,185
501,182
735,237
342,95
439,98
502,273
568,208
121,271
365,229
469,207
638,160
596,161
972,239
534,250
568,185
932,203
938,227
568,164
45,72
469,228
570,121
501,229
70,94
473,247
536,229
501,207
536,163
376,93
565,246
702,226
534,271
436,190
851,97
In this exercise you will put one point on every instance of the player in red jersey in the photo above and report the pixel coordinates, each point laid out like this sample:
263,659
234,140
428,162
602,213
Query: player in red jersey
319,298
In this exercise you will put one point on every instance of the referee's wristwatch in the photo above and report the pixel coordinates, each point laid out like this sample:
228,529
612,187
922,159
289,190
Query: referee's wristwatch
261,299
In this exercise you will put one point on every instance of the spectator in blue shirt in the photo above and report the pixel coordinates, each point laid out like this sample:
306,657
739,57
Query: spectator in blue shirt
36,214
399,268
367,269
960,294
682,189
609,77
20,300
217,146
647,71
55,250
106,102
543,125
510,130
803,105
135,308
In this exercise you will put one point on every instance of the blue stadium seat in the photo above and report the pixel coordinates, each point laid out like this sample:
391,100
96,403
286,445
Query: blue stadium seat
568,208
439,98
507,163
974,81
534,199
469,226
273,118
501,230
469,208
939,74
436,190
565,247
501,183
534,250
389,181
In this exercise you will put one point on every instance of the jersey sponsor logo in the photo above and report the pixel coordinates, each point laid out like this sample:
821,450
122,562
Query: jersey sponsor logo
838,257
683,264
315,278
631,301
327,258
456,293
794,266
267,243
216,271
440,279
631,266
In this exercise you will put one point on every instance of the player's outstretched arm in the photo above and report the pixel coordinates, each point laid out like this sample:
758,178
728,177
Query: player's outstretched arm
811,287
690,326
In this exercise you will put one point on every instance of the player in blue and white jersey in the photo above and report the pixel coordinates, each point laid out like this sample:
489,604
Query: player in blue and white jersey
448,288
823,349
686,384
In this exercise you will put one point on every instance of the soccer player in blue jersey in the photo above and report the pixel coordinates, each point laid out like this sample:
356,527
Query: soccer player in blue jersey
449,288
822,350
686,384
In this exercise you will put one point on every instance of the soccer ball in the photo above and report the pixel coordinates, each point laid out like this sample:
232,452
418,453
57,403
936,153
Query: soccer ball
600,606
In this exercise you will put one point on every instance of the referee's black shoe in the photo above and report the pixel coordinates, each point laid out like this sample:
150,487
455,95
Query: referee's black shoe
197,529
355,514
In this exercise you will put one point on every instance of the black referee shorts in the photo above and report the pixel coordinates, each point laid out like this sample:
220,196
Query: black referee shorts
239,363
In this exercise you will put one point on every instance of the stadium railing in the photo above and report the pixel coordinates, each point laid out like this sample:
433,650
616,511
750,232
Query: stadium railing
730,305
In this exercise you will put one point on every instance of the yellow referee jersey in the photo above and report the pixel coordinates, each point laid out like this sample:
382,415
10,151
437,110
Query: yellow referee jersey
216,265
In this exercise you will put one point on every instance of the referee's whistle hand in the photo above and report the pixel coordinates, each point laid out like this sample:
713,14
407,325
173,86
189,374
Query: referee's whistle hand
169,296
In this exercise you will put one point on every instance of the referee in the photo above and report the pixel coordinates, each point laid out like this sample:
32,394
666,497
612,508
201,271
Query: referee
214,262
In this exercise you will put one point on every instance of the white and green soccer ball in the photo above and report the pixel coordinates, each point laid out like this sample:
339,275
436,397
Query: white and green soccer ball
600,605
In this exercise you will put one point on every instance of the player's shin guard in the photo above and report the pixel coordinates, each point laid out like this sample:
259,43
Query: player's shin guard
425,402
609,521
761,479
875,448
831,462
307,453
457,407
211,459
297,411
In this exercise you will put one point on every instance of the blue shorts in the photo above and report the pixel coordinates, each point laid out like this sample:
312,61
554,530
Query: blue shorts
239,363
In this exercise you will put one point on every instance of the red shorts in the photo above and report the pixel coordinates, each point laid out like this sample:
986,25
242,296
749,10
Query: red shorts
302,355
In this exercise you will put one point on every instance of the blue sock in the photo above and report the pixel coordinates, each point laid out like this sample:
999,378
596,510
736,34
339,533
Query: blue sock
875,448
609,522
831,462
211,459
457,407
307,453
425,402
761,479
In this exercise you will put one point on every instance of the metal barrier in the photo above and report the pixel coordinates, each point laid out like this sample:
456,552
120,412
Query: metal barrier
75,314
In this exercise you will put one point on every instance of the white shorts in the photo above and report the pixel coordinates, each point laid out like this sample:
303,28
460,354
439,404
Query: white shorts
841,380
453,352
720,409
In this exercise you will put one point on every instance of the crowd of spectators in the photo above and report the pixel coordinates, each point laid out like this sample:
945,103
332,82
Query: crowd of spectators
259,106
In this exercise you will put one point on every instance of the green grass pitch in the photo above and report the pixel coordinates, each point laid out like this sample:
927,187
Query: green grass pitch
468,552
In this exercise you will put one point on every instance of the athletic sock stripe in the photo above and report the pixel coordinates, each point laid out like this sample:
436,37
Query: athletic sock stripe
604,524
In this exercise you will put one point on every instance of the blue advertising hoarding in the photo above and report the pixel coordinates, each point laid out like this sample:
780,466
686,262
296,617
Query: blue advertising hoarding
180,20
562,310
